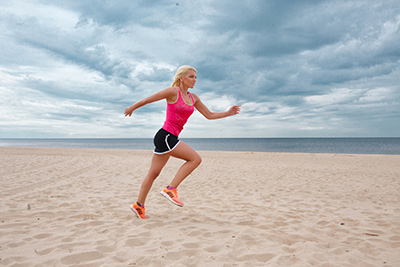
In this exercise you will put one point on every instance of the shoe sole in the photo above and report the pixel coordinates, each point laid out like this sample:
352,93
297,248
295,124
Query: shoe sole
135,211
170,199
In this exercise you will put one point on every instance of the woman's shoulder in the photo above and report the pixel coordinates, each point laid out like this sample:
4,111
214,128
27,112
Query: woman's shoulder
195,97
171,94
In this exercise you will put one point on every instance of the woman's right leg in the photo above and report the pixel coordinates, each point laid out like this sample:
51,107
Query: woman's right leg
192,158
157,164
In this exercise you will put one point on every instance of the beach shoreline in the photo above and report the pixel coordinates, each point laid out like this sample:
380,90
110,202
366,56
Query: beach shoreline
377,146
70,206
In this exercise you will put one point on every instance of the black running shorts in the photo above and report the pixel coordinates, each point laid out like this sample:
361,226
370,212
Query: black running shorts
164,142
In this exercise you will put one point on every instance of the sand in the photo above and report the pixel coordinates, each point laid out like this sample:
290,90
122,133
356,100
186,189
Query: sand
70,207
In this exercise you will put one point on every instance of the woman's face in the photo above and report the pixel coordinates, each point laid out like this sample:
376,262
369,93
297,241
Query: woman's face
189,79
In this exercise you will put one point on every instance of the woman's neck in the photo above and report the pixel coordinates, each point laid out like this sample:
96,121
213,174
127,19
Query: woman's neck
184,89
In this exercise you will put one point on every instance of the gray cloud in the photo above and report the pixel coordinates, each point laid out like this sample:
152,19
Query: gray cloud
299,68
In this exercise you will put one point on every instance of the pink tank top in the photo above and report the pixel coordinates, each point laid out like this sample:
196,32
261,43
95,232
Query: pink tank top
177,115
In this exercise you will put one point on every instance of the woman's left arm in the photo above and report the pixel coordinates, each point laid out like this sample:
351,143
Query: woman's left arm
214,115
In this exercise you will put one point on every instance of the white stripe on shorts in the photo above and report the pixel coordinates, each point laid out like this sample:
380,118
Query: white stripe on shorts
166,142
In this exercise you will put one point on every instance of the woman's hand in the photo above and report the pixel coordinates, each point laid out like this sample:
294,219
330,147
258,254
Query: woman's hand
234,110
128,111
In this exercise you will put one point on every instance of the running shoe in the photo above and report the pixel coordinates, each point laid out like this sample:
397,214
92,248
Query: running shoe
139,211
171,195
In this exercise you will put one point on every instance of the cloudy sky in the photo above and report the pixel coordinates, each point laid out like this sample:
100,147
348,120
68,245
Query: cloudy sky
298,68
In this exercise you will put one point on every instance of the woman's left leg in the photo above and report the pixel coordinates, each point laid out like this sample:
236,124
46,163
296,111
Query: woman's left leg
157,164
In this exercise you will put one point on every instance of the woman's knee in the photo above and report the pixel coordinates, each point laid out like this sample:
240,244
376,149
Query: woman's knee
157,164
197,160
153,174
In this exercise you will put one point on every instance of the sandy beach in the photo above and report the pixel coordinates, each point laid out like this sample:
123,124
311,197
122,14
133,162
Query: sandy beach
70,207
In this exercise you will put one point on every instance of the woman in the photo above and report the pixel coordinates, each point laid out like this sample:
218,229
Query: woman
180,105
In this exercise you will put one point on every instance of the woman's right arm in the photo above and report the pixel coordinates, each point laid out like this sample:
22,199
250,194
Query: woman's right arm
168,93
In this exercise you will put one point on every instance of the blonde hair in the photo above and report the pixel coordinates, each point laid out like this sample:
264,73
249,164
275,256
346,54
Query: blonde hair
182,70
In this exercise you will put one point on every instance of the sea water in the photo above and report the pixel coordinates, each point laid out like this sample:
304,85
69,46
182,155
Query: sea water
388,146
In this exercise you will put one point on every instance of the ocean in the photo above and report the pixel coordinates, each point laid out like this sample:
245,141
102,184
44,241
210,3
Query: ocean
387,146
